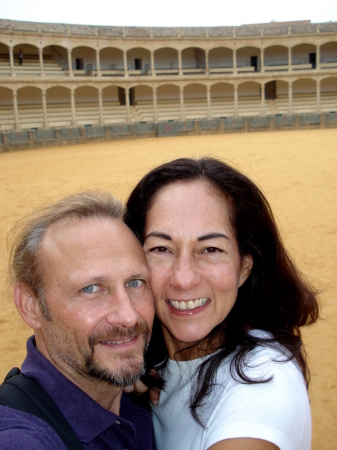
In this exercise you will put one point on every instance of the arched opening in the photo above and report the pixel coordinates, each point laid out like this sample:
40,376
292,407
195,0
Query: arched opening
86,105
193,60
249,99
142,99
195,101
303,57
58,106
282,97
83,60
5,67
168,102
276,58
55,60
111,62
248,60
7,120
329,94
304,96
139,61
26,60
328,55
220,60
222,100
166,61
114,109
30,108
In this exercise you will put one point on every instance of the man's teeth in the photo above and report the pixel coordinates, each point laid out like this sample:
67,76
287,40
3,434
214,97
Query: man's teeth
188,306
118,342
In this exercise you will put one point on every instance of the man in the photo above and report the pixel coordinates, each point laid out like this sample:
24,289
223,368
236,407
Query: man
82,284
21,56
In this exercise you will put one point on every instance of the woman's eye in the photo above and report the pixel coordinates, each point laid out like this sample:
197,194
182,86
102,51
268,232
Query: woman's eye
159,250
90,289
211,250
134,283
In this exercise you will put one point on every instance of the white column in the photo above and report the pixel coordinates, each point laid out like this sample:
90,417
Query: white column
209,112
70,66
318,96
263,97
318,58
154,91
44,107
11,61
127,102
262,60
73,114
290,98
100,106
125,60
98,63
289,59
182,112
152,64
234,62
236,101
207,62
180,63
16,114
41,61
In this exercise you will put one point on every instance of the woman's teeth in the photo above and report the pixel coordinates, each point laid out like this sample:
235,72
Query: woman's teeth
189,305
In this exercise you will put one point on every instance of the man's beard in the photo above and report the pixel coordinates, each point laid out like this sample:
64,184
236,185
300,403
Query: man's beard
130,370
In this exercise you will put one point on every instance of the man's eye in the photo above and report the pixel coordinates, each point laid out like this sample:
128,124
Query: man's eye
90,289
134,283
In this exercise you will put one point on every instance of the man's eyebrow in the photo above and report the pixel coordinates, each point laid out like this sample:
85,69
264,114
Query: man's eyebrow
212,236
165,236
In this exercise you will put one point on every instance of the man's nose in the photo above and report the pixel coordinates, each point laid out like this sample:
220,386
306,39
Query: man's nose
185,274
122,311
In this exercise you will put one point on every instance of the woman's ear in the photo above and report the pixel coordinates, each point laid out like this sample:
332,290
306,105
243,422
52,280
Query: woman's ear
27,305
246,268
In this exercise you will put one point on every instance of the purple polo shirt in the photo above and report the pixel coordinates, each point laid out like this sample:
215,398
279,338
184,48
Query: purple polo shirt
97,428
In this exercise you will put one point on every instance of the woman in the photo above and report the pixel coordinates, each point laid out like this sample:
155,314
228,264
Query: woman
230,304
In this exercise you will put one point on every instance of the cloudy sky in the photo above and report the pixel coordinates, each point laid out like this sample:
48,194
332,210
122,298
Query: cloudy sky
168,13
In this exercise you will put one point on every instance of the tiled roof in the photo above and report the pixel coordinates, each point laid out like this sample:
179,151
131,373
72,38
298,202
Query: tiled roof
267,29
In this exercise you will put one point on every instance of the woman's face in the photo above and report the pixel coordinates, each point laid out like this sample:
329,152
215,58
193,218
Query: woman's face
195,265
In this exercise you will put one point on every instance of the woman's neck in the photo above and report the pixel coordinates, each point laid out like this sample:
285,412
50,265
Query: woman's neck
186,351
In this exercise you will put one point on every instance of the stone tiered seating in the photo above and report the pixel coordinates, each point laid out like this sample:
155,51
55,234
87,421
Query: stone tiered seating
59,115
31,66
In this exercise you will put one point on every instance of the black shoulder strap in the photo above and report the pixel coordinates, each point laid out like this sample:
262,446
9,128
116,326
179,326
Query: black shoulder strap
26,395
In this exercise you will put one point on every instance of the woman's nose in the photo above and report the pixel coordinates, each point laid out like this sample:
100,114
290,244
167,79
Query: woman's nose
185,274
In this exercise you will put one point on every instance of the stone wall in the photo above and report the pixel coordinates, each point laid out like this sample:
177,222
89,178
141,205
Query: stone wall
80,135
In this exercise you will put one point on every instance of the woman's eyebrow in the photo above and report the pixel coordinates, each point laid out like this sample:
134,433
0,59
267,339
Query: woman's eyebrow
212,236
167,237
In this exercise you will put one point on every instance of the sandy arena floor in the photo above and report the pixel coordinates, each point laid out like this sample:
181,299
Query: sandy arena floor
297,172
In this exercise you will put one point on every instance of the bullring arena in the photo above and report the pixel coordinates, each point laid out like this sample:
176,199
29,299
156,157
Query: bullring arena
111,84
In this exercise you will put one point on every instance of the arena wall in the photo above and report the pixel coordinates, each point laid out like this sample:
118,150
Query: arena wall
105,76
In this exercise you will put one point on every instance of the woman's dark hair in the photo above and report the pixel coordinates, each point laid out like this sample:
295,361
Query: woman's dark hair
275,298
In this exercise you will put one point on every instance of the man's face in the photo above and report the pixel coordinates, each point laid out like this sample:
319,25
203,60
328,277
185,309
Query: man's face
97,290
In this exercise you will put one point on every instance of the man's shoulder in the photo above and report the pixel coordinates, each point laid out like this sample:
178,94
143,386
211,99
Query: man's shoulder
21,431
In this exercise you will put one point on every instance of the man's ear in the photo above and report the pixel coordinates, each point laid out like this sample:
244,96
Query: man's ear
27,305
246,268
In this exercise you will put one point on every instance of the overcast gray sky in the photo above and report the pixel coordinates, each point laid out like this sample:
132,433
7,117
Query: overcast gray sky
168,13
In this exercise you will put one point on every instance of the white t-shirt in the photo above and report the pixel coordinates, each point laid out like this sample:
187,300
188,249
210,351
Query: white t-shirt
277,411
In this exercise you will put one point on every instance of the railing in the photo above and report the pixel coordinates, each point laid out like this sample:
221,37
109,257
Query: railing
276,62
328,59
221,65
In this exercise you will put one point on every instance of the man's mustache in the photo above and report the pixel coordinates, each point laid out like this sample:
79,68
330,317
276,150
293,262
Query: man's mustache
118,333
